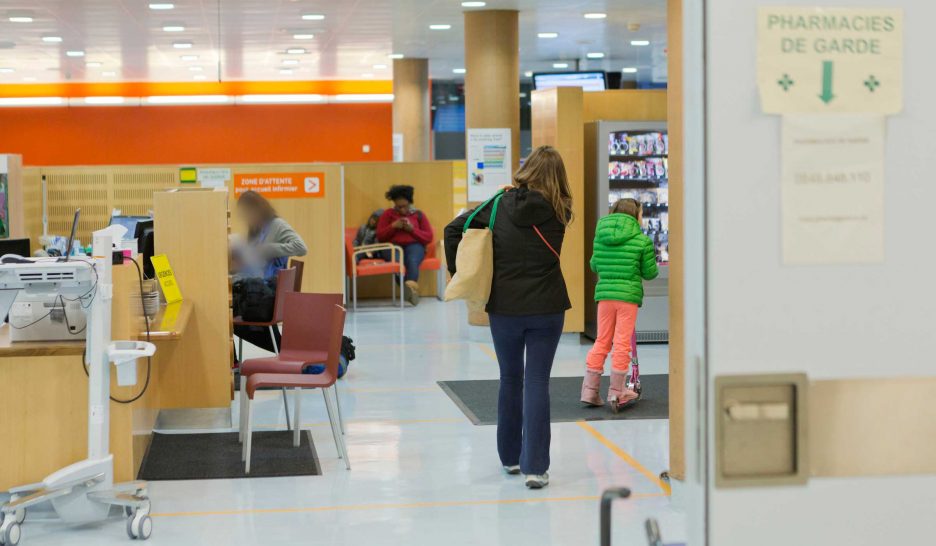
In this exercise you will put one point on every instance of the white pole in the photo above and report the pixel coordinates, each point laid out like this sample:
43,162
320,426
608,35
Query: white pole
99,333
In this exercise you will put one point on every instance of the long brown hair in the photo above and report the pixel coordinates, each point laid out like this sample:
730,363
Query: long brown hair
253,201
545,172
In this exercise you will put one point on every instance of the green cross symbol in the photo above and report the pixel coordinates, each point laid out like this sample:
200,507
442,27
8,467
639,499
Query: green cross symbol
872,83
785,82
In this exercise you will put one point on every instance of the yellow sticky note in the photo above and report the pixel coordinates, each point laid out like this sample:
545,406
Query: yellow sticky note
167,280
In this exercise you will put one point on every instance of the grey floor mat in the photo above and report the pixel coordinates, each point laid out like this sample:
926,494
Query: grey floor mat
218,456
478,400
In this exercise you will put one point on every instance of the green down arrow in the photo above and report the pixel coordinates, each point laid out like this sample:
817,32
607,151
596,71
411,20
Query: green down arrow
827,95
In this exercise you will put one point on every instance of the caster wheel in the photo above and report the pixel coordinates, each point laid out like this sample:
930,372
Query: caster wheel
10,533
143,509
21,515
665,476
139,527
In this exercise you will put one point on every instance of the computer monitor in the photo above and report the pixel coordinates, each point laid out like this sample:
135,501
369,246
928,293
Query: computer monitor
131,223
141,227
588,81
71,238
15,247
147,247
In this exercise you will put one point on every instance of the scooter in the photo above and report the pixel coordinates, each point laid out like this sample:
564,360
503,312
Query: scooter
633,378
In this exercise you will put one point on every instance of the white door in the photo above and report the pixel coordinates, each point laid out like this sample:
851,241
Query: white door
748,313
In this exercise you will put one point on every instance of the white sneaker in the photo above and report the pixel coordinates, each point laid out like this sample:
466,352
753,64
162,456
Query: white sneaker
534,481
512,470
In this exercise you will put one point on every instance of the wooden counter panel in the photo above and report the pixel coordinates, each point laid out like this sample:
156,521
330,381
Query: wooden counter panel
45,418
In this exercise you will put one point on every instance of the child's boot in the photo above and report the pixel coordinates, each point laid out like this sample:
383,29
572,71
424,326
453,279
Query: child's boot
619,395
590,385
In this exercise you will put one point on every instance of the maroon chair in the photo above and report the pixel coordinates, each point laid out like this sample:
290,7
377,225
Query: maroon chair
299,266
305,342
301,321
285,284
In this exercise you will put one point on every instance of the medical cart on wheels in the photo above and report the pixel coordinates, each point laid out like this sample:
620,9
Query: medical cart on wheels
83,492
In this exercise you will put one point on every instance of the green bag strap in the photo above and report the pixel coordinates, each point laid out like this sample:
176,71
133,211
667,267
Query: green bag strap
496,199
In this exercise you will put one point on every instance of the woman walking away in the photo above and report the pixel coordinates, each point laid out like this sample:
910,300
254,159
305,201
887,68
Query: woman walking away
527,305
623,258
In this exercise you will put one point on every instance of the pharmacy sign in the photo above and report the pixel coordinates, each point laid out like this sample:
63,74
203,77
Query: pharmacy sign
814,60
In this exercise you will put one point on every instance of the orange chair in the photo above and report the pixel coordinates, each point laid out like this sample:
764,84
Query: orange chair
434,261
369,267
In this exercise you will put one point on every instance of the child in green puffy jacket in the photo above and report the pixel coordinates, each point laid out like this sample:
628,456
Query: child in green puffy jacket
623,258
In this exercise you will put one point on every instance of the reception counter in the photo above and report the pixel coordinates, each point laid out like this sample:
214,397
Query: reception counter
44,387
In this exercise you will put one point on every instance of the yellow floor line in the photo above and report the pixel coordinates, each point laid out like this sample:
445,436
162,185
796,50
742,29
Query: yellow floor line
378,390
448,421
487,350
391,506
626,457
445,345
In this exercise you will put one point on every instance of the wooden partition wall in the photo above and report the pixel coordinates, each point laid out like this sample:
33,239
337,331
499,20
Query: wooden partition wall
96,190
99,190
316,220
677,361
557,121
12,166
433,181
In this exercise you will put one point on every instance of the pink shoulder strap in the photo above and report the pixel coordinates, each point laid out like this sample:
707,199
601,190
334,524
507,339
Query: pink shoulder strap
538,232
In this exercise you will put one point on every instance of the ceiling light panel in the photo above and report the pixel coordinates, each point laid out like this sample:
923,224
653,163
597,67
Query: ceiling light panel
254,38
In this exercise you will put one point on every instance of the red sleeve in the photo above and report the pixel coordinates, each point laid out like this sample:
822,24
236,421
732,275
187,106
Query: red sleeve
422,232
385,231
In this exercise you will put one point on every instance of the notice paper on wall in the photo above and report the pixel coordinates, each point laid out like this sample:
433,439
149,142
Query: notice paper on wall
397,147
490,160
213,178
812,59
833,189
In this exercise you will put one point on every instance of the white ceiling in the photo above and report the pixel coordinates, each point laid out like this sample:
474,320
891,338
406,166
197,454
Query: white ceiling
247,39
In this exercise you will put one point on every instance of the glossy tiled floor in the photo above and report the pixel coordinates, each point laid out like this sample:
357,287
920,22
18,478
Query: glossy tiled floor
421,472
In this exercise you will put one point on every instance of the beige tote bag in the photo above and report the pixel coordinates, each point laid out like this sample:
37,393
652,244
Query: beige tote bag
474,261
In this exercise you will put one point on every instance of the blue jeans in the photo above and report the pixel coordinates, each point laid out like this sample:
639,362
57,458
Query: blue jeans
523,432
413,256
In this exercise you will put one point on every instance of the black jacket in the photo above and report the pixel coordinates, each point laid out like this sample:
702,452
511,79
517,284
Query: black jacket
527,276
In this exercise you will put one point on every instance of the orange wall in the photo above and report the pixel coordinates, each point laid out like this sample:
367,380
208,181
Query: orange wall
197,134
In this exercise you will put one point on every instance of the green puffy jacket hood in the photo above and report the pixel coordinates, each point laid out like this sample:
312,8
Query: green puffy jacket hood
617,229
623,258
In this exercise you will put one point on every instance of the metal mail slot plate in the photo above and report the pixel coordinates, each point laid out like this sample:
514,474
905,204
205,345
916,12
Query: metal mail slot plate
761,430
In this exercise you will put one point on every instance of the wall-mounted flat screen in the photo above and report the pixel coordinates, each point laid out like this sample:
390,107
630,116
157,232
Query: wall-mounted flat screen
588,81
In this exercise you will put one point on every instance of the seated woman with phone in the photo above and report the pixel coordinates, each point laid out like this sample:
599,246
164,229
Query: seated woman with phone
409,228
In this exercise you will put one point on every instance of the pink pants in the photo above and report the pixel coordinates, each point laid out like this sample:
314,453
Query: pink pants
616,322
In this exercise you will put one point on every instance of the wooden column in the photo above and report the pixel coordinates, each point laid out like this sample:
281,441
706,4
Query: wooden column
676,298
411,107
492,78
557,121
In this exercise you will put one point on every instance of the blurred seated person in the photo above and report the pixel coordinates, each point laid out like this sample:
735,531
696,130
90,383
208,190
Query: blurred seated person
367,234
406,227
271,241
